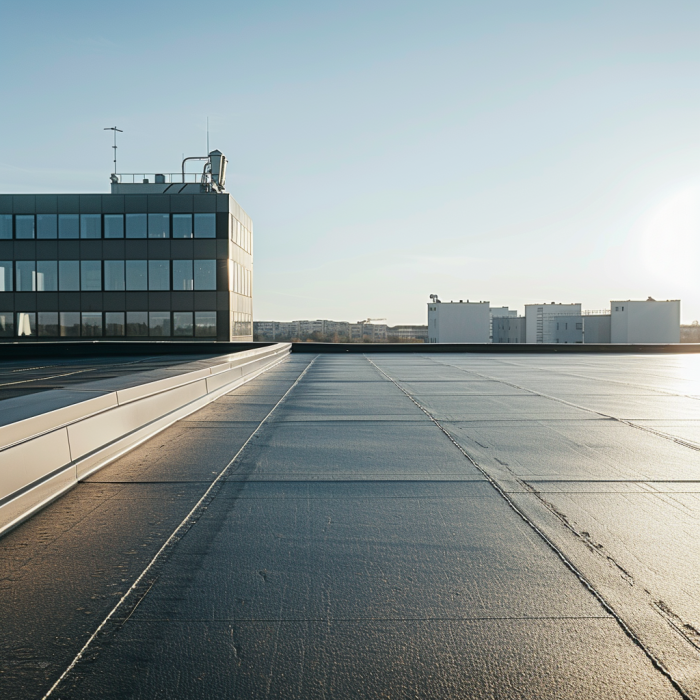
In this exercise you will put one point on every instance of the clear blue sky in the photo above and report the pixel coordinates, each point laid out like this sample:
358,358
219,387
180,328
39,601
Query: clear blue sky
508,151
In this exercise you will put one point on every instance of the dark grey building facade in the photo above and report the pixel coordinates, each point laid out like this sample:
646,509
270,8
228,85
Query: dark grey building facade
176,262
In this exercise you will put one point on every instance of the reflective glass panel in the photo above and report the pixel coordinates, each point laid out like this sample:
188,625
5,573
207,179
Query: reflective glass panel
137,323
159,225
48,324
159,323
136,275
205,225
68,226
114,276
6,227
205,324
158,275
136,225
26,323
25,272
68,276
91,324
91,275
6,276
114,323
7,324
69,324
46,226
182,226
114,225
90,226
205,274
24,226
183,323
46,276
183,279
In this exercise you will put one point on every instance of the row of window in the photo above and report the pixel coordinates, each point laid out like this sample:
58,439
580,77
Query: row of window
48,226
107,275
88,324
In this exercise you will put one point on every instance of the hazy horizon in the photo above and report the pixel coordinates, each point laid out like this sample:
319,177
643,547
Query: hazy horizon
511,153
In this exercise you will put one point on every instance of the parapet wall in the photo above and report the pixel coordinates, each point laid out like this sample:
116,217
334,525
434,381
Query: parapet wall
50,440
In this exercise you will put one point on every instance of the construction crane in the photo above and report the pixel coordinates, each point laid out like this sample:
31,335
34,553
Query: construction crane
369,320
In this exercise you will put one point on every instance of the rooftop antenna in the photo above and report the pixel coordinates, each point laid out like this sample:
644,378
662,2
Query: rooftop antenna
207,134
121,131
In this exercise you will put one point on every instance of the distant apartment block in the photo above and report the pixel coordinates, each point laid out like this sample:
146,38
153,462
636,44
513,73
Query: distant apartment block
329,331
162,256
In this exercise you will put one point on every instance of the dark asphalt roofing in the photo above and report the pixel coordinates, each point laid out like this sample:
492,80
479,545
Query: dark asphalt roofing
389,526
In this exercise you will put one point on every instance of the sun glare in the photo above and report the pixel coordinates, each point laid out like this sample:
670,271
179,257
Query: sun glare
671,240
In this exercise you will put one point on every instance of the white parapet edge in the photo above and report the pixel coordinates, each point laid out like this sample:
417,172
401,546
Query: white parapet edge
39,468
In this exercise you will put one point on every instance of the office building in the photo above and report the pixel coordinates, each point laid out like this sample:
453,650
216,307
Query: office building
162,256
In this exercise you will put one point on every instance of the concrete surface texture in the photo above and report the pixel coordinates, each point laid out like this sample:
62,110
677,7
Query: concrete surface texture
407,526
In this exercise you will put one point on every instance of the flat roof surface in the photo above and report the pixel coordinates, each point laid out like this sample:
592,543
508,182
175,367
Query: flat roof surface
404,526
25,377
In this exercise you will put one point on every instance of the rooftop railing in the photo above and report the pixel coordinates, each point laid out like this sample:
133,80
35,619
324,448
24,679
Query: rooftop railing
158,178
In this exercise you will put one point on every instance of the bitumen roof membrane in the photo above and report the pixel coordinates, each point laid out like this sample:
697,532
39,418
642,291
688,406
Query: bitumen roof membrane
387,526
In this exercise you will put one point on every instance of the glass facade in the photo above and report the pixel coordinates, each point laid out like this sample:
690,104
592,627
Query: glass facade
141,266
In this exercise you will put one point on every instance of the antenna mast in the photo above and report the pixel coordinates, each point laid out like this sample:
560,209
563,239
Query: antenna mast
207,134
121,131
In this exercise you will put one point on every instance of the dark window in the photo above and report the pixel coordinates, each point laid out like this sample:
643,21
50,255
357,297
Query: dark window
24,226
183,279
579,326
46,226
69,324
205,225
25,272
6,227
7,324
158,275
114,276
114,323
183,323
46,276
68,276
136,275
159,225
114,226
205,324
136,226
90,226
137,323
26,324
159,323
205,274
91,275
48,324
6,276
68,226
91,324
182,226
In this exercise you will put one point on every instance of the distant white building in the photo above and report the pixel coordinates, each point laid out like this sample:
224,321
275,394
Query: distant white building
508,329
648,321
499,312
563,329
459,322
537,318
